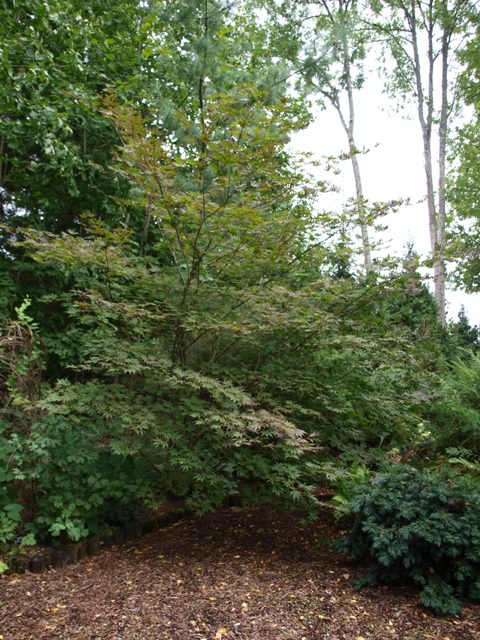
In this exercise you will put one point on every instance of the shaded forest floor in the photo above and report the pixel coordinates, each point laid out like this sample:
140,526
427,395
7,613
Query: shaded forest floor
233,575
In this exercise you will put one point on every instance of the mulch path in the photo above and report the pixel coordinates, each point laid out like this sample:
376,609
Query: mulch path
233,575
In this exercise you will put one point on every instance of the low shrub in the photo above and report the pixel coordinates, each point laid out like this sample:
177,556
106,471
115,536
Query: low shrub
421,527
345,481
61,483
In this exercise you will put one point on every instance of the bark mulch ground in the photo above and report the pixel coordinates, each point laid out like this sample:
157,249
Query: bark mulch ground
233,575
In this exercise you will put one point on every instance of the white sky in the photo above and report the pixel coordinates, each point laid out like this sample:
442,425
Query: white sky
393,168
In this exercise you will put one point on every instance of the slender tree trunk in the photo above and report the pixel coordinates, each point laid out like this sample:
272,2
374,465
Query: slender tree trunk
425,102
359,197
180,345
440,268
343,9
349,129
360,207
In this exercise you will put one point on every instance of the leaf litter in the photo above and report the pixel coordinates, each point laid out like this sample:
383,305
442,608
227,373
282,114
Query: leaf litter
237,574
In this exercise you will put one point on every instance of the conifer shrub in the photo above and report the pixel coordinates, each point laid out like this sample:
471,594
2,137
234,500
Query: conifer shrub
421,527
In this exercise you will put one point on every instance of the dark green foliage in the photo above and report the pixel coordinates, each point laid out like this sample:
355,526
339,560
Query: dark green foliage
64,479
56,148
419,526
454,416
118,512
57,60
463,333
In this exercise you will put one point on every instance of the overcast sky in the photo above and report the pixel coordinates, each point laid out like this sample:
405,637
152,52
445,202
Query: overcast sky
392,168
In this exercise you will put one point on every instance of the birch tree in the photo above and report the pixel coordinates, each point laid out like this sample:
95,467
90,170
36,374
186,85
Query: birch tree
336,76
322,39
423,37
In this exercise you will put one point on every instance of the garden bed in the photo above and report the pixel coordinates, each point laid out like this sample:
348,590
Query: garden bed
233,575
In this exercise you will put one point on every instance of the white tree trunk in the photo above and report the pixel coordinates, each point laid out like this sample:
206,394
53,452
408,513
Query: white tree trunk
440,260
425,102
349,129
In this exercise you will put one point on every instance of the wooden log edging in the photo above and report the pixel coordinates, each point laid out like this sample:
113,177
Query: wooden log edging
71,553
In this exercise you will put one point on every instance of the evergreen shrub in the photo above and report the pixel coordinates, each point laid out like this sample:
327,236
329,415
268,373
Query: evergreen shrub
421,527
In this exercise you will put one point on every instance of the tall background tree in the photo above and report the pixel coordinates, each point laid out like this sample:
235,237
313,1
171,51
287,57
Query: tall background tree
55,146
334,66
423,38
327,47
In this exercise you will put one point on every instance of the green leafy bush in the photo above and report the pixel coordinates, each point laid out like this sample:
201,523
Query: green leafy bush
64,478
346,483
423,527
219,362
455,414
